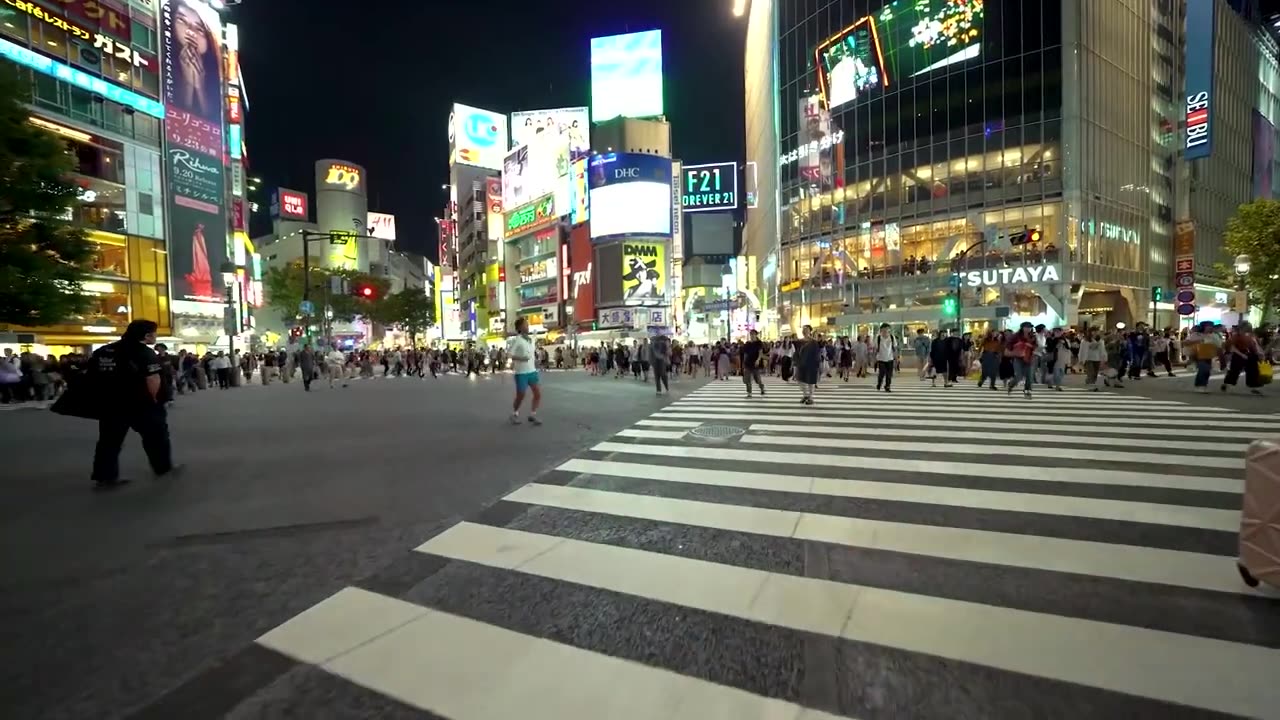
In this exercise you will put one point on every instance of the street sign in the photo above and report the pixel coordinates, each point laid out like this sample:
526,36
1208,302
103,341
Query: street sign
1184,280
1185,265
955,280
341,237
306,307
230,323
1186,296
1186,309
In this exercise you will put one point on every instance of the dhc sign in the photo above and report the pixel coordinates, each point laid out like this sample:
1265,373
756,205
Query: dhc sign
1198,142
1024,275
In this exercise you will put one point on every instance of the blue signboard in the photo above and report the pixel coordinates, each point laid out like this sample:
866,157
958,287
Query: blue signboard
1198,136
82,80
617,168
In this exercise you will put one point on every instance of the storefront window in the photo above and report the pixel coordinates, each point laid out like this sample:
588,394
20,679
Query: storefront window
110,259
13,23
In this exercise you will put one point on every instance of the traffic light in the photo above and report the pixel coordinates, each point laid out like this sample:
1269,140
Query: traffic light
1157,293
949,305
1024,237
364,291
1033,236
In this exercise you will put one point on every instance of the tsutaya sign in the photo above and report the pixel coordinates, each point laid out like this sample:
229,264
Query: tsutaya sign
1111,231
1023,275
824,144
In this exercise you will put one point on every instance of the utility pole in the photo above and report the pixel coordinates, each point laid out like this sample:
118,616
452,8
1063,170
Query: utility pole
334,236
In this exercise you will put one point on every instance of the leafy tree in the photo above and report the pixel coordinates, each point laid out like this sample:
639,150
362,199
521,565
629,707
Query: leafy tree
411,309
1255,231
283,286
43,258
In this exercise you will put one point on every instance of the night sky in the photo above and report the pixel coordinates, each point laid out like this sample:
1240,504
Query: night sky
359,82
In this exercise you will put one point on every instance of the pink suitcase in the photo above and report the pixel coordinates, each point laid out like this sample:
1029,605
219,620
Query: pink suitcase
1260,517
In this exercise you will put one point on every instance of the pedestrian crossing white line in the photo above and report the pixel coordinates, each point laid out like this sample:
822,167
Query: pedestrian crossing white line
1055,399
936,445
1000,400
1130,478
861,428
654,434
1147,663
1132,418
1123,562
469,670
919,424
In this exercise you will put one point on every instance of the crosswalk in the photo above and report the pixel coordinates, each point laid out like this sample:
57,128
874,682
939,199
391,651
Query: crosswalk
937,553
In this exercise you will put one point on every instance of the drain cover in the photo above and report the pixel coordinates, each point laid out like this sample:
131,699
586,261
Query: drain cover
716,432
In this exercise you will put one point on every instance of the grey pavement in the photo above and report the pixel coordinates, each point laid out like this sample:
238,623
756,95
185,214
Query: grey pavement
109,601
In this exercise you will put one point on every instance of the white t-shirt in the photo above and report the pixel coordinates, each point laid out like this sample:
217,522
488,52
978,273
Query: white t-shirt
519,345
886,348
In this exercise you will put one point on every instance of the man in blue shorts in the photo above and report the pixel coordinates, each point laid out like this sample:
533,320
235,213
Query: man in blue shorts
521,351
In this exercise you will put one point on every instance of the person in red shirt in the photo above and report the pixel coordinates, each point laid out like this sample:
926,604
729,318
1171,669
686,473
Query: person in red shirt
1022,348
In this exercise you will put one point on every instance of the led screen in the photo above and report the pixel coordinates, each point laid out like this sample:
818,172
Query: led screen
904,39
630,195
572,121
626,76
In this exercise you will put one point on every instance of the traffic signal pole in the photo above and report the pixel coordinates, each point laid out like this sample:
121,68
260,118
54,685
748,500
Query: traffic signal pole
307,237
964,256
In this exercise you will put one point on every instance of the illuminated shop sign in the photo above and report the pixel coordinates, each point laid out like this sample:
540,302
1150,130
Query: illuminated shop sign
97,14
902,40
825,143
1023,275
1110,231
293,204
82,80
709,187
100,42
1199,64
538,271
344,176
531,216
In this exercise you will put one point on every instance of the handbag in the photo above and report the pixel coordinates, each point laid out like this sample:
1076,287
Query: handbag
1265,372
76,401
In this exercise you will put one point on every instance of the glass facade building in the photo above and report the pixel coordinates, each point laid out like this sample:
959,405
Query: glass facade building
91,72
900,142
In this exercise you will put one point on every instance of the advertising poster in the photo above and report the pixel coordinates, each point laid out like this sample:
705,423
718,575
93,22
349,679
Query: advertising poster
903,40
573,121
381,225
630,195
536,169
815,140
644,271
582,287
626,76
493,207
1264,156
477,137
190,51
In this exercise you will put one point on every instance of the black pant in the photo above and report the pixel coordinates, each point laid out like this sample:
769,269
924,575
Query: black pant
1240,364
752,373
660,380
884,374
308,374
224,378
151,423
1162,358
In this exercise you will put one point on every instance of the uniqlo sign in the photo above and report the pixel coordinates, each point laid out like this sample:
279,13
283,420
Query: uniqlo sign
293,204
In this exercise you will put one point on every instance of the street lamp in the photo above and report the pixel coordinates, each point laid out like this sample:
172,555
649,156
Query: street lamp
1242,267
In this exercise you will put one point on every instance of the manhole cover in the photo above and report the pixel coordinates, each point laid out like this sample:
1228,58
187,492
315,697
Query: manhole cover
716,432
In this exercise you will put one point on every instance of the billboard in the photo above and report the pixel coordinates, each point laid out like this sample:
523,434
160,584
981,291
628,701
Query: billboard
579,193
644,271
531,216
706,188
477,137
381,225
290,205
536,169
1198,142
582,285
902,40
630,195
191,44
1264,155
493,208
572,121
626,76
342,205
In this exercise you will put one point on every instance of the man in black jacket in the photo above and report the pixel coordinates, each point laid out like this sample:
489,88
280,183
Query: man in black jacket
126,380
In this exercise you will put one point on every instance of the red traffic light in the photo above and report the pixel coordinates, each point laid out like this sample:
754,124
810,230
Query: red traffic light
366,291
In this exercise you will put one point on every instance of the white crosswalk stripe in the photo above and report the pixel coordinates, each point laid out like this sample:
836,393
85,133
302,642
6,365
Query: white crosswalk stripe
1065,556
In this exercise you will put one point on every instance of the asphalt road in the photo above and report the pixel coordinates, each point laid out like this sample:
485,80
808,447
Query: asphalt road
108,601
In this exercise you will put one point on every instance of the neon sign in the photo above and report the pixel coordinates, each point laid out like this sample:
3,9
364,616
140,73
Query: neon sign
82,80
343,175
531,216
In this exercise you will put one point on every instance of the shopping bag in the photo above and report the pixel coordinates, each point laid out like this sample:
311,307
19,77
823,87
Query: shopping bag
1265,372
79,402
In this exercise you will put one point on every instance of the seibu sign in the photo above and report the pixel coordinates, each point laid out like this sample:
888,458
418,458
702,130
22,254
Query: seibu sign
1023,275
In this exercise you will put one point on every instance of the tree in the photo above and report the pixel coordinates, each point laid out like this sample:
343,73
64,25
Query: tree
43,258
1255,231
411,309
283,286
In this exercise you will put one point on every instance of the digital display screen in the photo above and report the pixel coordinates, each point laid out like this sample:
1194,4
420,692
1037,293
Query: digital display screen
709,187
626,76
904,39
